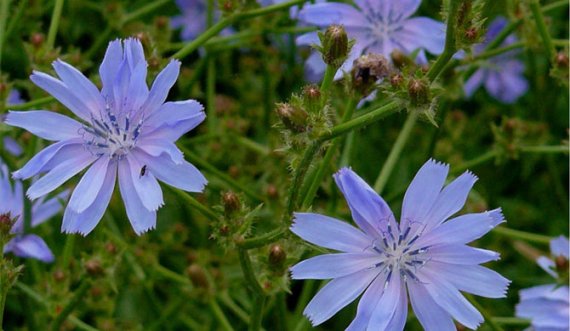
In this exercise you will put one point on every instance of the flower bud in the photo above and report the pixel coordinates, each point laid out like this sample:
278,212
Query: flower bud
197,276
561,264
93,267
418,91
277,255
6,223
400,60
367,70
312,97
335,45
294,118
37,39
396,80
561,60
231,202
471,34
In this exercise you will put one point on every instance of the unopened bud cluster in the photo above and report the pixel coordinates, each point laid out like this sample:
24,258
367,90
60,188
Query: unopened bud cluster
335,45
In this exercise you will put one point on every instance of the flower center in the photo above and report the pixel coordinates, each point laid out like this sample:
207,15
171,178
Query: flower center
112,134
398,254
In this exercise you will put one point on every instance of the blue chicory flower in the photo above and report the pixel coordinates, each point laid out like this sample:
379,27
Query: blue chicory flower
193,19
126,132
502,75
548,306
26,245
378,26
425,253
10,145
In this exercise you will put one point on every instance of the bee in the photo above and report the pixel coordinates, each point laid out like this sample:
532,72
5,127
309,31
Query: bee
143,171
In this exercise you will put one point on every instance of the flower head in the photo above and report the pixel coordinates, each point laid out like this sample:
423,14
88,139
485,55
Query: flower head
502,75
126,131
193,18
378,26
425,252
12,204
548,306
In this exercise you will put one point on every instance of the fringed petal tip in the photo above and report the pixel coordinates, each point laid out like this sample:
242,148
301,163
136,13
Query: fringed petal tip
496,216
140,232
436,163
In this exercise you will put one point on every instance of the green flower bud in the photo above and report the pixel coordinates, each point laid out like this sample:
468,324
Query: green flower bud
418,90
335,45
294,118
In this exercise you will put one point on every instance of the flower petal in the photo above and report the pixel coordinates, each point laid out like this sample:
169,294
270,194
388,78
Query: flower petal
184,176
12,146
369,210
336,294
30,246
45,124
328,13
547,265
140,217
462,229
391,11
171,113
461,254
368,303
86,221
156,147
42,161
560,246
161,86
59,175
431,316
547,306
474,279
145,184
450,200
450,299
386,307
423,192
110,66
88,188
329,266
44,210
63,93
474,82
330,233
82,87
422,32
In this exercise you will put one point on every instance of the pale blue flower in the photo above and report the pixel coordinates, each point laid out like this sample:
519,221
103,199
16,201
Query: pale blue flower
502,75
559,247
193,19
378,26
12,203
10,145
548,306
125,132
426,252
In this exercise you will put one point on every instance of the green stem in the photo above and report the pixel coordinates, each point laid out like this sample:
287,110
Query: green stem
223,23
326,84
490,155
361,121
77,297
544,149
511,321
171,275
220,316
449,48
4,6
347,150
68,250
150,7
494,52
211,93
257,313
397,149
230,304
55,17
318,176
262,240
517,234
194,203
298,177
193,158
31,104
542,30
